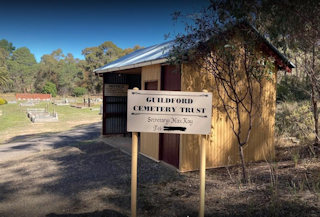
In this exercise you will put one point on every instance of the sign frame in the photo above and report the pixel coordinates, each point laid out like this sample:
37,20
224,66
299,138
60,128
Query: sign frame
169,112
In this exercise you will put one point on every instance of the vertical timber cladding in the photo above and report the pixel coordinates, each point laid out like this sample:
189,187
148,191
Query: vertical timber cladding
115,102
222,148
150,79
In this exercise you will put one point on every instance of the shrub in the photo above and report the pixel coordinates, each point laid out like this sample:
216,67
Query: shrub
292,88
294,119
3,101
79,91
50,88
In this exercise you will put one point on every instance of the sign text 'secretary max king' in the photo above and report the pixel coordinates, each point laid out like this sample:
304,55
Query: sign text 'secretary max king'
169,112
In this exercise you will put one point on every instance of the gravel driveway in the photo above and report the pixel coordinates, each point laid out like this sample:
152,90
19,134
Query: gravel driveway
70,174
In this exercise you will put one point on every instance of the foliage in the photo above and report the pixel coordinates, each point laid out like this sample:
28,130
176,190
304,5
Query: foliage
50,88
4,55
292,88
19,71
7,46
79,91
3,101
21,68
292,25
294,119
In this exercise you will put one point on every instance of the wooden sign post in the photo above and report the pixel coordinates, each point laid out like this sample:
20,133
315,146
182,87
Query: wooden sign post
202,172
134,168
168,112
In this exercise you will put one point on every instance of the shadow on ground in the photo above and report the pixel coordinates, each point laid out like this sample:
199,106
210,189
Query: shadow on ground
75,174
104,213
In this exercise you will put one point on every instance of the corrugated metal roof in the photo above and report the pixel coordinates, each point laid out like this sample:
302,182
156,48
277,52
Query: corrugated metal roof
149,55
159,53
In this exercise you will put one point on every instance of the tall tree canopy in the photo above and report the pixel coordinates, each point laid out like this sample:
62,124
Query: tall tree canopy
8,46
22,69
96,57
19,68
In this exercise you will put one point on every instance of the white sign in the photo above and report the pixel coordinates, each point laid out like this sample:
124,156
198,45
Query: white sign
116,89
169,112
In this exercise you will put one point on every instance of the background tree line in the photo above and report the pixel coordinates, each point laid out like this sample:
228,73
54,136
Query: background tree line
56,73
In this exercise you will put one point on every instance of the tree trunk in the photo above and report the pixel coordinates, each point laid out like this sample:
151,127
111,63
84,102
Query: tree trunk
315,115
313,98
243,165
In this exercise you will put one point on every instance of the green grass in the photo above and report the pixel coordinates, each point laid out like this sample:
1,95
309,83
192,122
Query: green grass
12,116
14,120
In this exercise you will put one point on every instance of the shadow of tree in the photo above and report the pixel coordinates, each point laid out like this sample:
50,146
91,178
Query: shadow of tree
104,213
80,174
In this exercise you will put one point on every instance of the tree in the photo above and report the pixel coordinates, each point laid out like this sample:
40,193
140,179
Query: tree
59,69
292,25
6,49
50,88
48,68
231,53
8,46
96,57
130,50
21,67
3,67
79,91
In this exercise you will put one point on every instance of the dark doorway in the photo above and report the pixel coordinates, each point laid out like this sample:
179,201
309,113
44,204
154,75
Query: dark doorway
115,107
169,143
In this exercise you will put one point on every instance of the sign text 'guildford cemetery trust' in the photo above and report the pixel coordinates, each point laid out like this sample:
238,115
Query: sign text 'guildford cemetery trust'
169,112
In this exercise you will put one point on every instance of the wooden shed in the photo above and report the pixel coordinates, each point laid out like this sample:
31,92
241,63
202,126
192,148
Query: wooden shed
148,69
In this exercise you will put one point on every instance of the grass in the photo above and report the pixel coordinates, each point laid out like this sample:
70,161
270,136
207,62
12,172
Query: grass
14,120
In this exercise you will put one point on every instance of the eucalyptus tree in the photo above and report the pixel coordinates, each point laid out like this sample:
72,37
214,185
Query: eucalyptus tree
22,69
292,25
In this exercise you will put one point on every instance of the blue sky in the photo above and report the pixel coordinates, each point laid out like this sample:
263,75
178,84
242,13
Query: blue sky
44,26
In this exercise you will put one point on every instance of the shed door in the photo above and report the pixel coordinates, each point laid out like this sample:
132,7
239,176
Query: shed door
169,143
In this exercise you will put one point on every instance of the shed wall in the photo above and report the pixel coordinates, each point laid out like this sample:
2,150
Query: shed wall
222,147
149,142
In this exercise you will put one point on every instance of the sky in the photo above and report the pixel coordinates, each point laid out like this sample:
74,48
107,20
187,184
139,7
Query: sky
44,26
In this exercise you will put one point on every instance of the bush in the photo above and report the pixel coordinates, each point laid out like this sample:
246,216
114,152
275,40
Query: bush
294,119
50,88
292,88
3,101
79,91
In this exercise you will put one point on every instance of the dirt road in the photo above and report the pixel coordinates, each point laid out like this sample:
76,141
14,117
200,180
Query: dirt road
74,174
